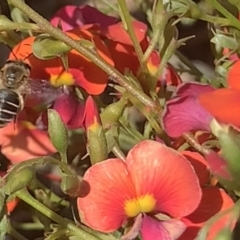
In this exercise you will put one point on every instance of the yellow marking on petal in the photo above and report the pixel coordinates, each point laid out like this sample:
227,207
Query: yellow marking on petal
28,125
152,68
143,204
63,79
95,125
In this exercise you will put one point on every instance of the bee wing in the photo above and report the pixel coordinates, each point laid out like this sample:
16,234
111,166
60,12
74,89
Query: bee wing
43,91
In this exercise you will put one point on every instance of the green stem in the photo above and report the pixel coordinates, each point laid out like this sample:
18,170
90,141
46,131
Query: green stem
126,19
194,143
214,20
58,34
76,231
28,226
165,58
12,232
6,25
118,152
63,156
188,64
162,21
234,21
36,184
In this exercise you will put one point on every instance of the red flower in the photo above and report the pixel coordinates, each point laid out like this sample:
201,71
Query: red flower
154,179
71,110
214,200
82,72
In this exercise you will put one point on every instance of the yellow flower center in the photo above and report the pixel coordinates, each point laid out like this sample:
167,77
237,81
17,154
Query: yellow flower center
143,204
63,79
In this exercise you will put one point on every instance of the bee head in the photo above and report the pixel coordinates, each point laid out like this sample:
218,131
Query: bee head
15,73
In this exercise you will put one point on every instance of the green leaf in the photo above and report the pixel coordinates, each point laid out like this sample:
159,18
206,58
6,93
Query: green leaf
47,47
3,226
224,41
18,16
57,131
3,209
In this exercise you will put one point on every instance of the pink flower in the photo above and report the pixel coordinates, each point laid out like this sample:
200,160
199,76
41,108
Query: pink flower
74,16
154,179
183,113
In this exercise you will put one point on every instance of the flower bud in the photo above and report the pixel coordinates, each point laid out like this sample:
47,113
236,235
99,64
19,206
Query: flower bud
57,131
97,143
113,112
224,234
70,185
19,179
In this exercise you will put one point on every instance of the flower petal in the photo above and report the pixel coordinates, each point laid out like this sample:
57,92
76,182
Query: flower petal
135,229
184,114
121,47
161,230
193,89
162,171
23,141
117,33
218,165
223,104
200,166
105,188
74,16
214,200
71,110
91,114
234,76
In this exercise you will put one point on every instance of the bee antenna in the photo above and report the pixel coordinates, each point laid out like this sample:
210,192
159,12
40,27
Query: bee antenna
27,56
12,52
15,56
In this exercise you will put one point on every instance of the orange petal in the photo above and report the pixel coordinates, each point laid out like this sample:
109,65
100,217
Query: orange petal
117,33
22,50
233,79
105,188
21,142
167,175
223,104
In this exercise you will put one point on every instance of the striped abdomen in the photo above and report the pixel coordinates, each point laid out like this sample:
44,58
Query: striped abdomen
10,105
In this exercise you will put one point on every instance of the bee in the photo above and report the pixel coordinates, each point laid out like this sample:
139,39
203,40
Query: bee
16,85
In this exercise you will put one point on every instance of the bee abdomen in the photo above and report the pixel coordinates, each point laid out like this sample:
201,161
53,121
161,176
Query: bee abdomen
9,106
